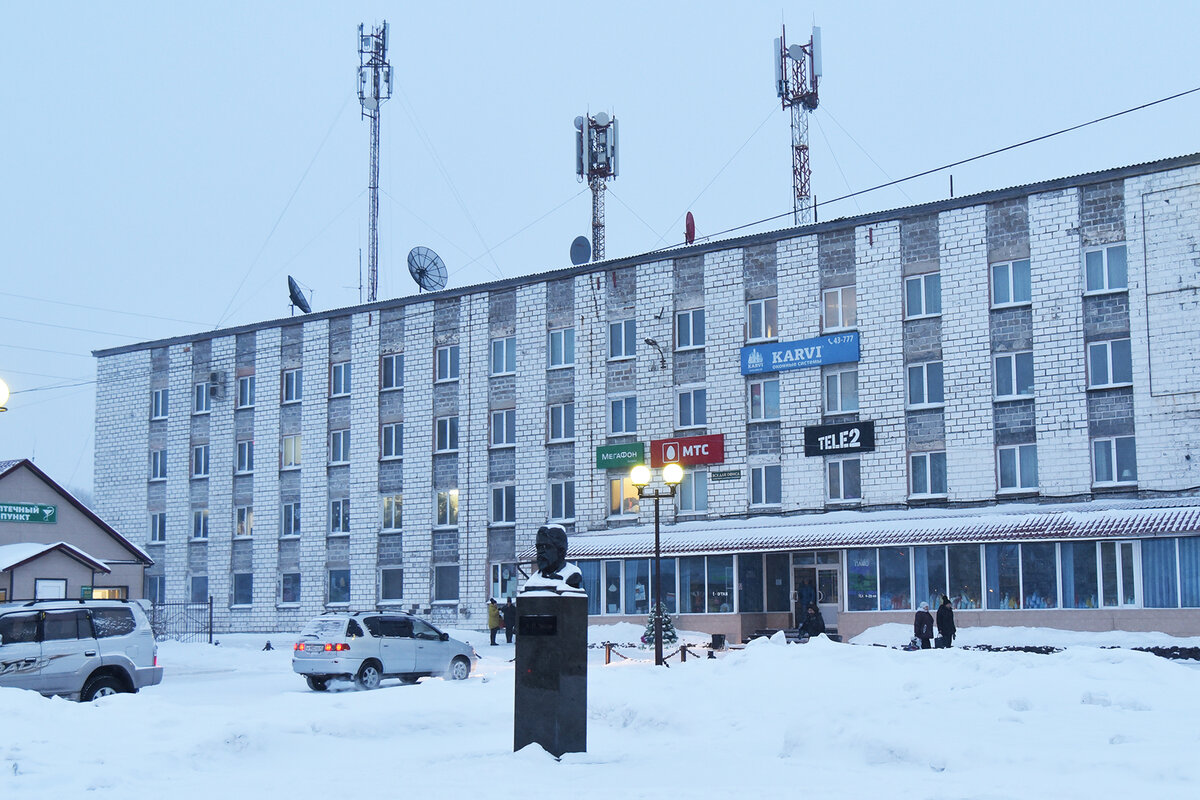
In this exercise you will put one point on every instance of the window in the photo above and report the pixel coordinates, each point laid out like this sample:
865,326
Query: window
245,456
1118,578
839,312
562,500
690,404
895,588
1114,461
339,586
391,584
1039,575
1014,375
199,592
844,480
243,521
392,372
862,580
622,339
925,384
622,497
964,565
245,397
446,438
766,485
293,387
158,527
445,583
1011,283
200,523
761,320
339,516
693,492
291,450
562,422
927,474
764,400
504,504
158,465
200,398
561,347
156,589
622,415
1003,567
923,295
243,588
291,519
289,588
1018,467
1105,270
447,364
392,516
841,391
200,461
505,578
504,428
689,329
158,404
339,379
446,508
339,447
1109,364
392,440
504,356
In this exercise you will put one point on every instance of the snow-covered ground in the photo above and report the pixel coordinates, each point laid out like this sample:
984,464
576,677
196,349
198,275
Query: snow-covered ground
772,720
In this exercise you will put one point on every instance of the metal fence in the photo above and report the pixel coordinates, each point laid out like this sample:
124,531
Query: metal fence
183,622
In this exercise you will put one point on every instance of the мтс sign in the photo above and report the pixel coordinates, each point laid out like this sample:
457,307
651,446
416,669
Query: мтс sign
688,450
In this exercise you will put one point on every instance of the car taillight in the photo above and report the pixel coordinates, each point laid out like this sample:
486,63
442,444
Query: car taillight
338,647
298,646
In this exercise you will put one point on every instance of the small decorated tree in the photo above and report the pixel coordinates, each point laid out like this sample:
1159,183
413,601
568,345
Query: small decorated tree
669,636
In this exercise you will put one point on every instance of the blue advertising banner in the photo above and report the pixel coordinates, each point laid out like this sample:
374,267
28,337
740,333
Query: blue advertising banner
841,348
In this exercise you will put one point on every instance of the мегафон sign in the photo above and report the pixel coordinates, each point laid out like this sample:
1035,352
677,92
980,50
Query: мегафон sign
777,356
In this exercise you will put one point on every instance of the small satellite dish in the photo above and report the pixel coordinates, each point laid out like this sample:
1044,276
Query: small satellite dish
796,52
579,123
427,269
581,250
602,119
298,299
689,228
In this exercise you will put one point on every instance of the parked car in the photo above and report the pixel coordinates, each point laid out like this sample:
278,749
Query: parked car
80,649
369,646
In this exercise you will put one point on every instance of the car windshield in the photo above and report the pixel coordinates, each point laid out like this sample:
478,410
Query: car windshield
327,628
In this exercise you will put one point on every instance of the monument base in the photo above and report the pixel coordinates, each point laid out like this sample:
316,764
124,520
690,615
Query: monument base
550,704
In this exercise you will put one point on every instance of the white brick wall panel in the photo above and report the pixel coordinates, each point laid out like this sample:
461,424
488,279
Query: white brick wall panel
267,523
418,442
799,389
724,313
591,425
221,454
474,436
314,444
365,511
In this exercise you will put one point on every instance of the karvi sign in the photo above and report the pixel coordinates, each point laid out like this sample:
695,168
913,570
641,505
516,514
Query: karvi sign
688,450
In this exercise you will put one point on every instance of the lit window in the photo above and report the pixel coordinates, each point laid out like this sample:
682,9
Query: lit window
291,450
841,391
392,440
623,497
245,398
561,347
925,384
764,399
1011,283
562,500
1014,375
622,415
339,385
762,320
1114,461
562,422
689,329
1018,467
446,434
839,309
844,480
504,356
927,473
392,372
691,410
446,508
504,504
446,359
622,339
766,485
923,295
504,428
1105,269
1110,364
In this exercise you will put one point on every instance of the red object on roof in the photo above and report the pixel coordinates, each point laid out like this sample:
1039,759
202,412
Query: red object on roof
689,229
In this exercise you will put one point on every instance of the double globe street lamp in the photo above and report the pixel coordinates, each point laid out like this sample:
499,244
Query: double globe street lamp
639,476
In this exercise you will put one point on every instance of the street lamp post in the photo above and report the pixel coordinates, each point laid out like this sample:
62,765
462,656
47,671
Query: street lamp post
672,474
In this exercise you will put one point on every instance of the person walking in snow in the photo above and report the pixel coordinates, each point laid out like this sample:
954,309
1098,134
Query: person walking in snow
493,619
813,624
923,626
945,623
508,613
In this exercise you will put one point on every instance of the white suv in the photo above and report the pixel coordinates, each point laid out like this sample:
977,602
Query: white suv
77,648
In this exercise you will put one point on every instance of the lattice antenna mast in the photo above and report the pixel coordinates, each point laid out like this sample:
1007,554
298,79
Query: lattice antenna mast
374,86
596,161
797,73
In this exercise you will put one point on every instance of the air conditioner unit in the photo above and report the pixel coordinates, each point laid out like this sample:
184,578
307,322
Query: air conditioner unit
216,384
216,377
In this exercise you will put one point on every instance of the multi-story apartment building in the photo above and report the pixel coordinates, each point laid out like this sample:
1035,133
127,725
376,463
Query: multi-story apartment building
991,397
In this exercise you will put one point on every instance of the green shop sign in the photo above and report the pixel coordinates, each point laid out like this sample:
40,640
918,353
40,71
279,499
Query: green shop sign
28,512
616,456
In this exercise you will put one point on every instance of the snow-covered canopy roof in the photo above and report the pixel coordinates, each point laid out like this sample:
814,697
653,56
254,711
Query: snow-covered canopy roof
13,555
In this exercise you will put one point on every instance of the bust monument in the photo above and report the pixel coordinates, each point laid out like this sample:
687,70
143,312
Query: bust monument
554,575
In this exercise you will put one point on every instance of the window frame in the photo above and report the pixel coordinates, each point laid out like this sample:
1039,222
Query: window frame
760,486
624,400
243,520
564,418
1013,373
200,461
158,464
1112,444
396,362
507,430
690,315
1020,451
502,510
391,434
244,464
839,372
340,517
452,366
340,379
626,330
1104,250
245,392
291,385
294,440
1011,283
158,527
625,485
841,293
393,519
451,517
330,576
563,335
694,394
769,314
505,347
928,458
926,402
450,423
565,489
339,445
688,490
201,398
762,403
923,279
1109,363
840,463
160,403
200,524
289,512
383,572
284,589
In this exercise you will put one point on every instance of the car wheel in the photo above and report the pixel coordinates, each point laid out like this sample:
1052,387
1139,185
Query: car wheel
368,676
408,679
100,686
316,684
460,668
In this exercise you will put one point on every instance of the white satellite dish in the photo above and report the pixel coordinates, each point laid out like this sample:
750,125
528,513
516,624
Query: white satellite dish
579,123
796,52
602,119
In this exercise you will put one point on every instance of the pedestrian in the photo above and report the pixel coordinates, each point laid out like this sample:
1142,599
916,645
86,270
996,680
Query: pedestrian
493,619
509,614
945,623
813,624
923,626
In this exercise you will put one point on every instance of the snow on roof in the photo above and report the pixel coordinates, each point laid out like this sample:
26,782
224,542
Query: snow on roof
12,555
5,466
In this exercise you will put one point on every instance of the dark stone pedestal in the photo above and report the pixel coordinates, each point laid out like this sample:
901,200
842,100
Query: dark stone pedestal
551,680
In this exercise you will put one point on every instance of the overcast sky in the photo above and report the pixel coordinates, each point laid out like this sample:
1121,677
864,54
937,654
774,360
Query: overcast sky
165,166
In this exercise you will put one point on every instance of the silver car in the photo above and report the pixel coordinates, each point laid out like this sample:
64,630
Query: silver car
370,646
81,649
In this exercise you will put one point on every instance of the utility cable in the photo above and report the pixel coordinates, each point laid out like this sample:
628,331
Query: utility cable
70,328
827,113
836,162
100,308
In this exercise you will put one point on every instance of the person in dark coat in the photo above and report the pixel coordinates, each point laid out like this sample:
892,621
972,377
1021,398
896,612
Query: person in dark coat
508,612
923,626
945,622
813,624
493,619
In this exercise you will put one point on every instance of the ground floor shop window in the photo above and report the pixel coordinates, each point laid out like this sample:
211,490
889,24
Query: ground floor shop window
612,587
894,588
637,587
862,580
590,571
1159,572
1080,579
720,584
1189,572
1117,574
750,582
1039,575
1003,576
929,571
779,595
966,585
691,585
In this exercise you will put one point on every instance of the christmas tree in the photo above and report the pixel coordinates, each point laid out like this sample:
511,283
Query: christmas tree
669,636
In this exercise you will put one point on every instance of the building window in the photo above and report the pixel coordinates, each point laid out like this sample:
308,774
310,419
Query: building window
156,589
623,497
445,583
762,320
393,519
839,311
199,593
561,348
766,485
1110,363
291,450
1014,375
446,509
339,447
339,516
245,456
693,492
1018,468
1011,283
392,372
841,391
243,588
200,398
289,588
293,386
690,408
339,379
504,505
200,523
562,500
158,465
927,474
1105,269
689,329
925,384
562,422
504,428
923,295
844,480
245,397
158,404
243,521
622,339
504,356
391,584
1114,461
622,415
446,436
200,461
446,364
291,519
392,440
764,400
339,586
158,527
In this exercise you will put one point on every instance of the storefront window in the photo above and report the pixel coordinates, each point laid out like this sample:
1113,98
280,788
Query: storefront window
612,587
720,584
862,584
590,570
1079,575
670,598
895,592
691,585
1003,576
1158,574
637,586
750,582
965,587
1039,575
804,559
930,568
1189,571
779,596
828,557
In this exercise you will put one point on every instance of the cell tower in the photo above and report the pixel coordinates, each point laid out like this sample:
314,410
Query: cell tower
596,160
374,86
797,72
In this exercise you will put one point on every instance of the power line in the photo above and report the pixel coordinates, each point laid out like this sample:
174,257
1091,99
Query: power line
70,328
100,308
44,350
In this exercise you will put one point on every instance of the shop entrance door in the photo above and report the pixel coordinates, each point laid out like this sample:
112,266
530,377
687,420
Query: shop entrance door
818,585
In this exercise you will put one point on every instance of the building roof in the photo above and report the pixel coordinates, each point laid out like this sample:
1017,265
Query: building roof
14,555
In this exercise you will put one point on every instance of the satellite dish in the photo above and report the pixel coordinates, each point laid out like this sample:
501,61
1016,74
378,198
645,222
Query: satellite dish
689,228
581,250
298,299
796,52
602,119
427,269
579,123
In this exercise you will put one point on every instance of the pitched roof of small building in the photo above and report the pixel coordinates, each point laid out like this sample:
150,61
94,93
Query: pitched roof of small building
14,555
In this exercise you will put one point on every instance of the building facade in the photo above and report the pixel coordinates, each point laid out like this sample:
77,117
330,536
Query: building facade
959,397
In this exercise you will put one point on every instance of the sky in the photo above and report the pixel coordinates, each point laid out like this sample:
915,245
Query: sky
165,167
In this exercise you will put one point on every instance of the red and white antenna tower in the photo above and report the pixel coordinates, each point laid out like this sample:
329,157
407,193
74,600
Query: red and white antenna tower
596,161
797,73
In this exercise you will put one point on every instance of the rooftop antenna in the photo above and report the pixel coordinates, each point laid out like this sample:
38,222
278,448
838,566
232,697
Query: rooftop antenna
427,269
298,299
374,86
596,161
797,73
